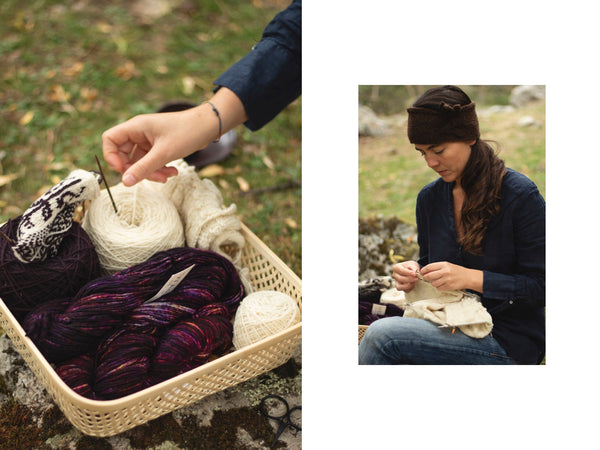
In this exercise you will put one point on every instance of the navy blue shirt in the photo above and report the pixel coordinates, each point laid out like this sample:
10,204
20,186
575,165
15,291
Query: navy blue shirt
513,259
269,78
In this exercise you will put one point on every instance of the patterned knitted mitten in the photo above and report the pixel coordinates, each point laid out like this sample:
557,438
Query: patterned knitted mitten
50,217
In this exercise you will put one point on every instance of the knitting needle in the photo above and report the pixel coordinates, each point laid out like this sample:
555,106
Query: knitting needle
106,184
420,276
10,241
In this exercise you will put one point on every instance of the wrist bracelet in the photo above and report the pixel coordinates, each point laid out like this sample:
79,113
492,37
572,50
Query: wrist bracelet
218,117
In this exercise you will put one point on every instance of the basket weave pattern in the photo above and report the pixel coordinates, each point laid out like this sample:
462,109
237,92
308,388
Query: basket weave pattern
107,418
361,332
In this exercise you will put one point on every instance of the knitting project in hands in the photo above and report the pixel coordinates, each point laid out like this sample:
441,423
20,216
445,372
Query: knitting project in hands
459,309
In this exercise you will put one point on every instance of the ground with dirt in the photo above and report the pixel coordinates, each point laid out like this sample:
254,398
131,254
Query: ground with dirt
229,419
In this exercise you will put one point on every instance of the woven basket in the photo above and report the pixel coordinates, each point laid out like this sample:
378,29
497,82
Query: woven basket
361,332
107,418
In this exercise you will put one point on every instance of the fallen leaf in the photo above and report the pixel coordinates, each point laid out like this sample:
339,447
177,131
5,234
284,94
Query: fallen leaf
89,94
267,162
27,117
223,183
127,70
243,184
5,179
104,27
148,11
68,108
290,223
23,22
211,170
58,94
74,70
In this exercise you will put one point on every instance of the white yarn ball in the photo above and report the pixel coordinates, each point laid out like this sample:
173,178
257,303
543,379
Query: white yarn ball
147,222
262,314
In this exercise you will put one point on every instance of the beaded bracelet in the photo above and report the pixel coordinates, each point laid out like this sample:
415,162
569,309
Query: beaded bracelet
220,123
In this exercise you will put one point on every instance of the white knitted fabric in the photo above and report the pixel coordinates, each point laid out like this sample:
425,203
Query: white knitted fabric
458,309
208,224
50,217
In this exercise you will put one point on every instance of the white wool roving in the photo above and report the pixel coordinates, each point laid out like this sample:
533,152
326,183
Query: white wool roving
262,314
208,224
147,222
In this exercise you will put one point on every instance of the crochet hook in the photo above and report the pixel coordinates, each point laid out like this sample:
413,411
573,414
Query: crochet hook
106,184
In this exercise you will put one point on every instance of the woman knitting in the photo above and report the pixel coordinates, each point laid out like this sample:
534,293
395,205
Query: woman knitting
481,228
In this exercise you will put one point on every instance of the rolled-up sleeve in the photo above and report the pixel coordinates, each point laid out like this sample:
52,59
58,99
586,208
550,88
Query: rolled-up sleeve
269,77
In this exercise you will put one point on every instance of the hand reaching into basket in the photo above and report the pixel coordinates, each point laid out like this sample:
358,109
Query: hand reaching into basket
143,146
252,91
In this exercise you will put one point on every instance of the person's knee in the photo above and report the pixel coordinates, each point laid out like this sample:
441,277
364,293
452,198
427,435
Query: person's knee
374,338
377,331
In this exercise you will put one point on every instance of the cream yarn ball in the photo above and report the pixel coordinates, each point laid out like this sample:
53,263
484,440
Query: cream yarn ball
147,222
262,314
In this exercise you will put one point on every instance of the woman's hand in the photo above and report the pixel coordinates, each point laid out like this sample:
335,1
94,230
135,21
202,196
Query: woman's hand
142,146
447,277
405,275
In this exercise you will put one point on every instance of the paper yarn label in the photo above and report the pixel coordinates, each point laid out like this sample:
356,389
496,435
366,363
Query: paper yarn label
378,309
171,283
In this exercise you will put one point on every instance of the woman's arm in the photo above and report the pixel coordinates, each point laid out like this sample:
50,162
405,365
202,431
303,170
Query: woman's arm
142,146
527,279
269,77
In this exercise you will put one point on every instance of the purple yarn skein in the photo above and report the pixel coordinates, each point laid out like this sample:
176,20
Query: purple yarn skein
24,286
109,341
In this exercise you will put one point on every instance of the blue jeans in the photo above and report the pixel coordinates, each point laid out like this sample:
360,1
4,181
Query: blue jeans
404,340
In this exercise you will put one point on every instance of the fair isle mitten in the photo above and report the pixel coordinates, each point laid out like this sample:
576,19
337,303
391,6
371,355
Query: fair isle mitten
50,217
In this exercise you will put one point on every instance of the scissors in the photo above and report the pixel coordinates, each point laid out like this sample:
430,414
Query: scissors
273,411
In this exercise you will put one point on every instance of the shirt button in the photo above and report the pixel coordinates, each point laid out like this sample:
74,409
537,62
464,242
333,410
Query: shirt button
510,302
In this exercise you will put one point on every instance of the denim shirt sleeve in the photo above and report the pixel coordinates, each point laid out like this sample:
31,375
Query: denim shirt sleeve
521,273
268,78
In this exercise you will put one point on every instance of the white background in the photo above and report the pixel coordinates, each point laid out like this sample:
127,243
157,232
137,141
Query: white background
346,44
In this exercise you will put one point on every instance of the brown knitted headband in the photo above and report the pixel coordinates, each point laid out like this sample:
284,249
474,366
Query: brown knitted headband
451,123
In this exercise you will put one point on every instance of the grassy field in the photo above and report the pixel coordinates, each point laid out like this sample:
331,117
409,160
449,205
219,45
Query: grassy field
72,70
391,172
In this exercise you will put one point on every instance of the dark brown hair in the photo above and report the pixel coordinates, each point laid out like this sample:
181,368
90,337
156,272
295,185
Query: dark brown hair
481,179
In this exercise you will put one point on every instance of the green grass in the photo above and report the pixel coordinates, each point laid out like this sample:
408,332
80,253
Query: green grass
72,71
391,171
